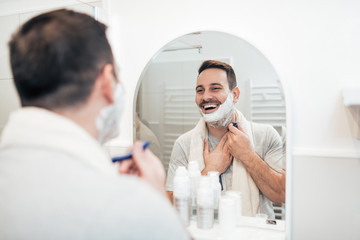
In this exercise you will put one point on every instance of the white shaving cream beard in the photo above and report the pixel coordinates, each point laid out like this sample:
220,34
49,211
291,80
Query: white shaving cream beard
221,117
108,121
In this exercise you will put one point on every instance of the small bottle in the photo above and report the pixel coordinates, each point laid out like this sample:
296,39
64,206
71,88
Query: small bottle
205,204
227,216
194,175
216,186
237,196
182,194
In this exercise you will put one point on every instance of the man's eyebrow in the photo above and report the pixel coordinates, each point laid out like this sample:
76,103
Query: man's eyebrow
212,84
216,84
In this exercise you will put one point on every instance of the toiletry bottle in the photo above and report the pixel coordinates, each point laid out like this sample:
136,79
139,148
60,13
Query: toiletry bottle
182,194
237,196
205,204
227,216
194,175
216,186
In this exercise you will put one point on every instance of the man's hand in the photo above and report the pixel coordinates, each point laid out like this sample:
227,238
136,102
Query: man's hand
270,182
145,165
239,144
217,160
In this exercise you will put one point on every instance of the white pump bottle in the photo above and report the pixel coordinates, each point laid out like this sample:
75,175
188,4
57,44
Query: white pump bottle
182,194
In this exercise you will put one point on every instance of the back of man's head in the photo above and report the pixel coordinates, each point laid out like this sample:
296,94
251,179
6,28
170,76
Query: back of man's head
56,57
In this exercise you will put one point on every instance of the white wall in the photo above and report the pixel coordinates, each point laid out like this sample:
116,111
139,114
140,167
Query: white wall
8,97
313,46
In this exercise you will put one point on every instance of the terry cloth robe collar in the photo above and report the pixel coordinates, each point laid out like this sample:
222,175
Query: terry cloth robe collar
42,129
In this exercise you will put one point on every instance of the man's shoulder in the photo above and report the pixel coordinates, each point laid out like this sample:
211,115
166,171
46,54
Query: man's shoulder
261,126
185,137
181,145
265,134
261,129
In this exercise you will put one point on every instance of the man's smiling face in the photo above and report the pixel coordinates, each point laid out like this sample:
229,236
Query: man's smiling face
212,89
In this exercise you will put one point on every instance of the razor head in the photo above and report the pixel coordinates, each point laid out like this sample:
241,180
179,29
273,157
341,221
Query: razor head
234,124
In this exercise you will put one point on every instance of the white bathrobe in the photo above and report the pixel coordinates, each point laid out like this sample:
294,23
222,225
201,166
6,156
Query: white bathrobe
56,182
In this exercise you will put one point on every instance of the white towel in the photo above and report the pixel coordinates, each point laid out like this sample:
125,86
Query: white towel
241,179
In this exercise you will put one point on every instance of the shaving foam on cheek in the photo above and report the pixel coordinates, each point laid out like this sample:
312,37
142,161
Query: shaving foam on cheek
223,110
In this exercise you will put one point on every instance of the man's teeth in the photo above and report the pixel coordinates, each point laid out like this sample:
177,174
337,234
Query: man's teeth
212,106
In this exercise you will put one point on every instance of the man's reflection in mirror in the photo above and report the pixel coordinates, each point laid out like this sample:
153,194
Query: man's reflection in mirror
248,157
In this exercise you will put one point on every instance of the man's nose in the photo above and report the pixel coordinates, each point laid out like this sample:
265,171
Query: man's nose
207,95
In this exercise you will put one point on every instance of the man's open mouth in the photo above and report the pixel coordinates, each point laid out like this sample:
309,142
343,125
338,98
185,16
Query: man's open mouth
209,107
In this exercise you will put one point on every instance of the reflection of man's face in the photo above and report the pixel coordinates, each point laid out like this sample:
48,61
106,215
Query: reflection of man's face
212,89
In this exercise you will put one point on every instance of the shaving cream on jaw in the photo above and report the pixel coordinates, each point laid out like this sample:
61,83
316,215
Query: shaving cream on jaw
221,117
107,123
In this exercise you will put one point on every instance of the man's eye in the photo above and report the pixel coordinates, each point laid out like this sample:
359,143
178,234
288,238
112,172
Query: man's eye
199,91
214,89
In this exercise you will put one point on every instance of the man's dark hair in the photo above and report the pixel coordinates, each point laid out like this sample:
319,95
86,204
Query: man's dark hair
231,77
56,57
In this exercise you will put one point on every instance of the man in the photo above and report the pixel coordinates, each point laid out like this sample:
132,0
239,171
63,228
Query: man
248,157
56,182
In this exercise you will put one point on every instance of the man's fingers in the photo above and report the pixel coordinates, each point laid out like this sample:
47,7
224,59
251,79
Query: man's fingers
125,166
234,129
222,142
224,139
145,161
138,153
139,158
206,147
240,128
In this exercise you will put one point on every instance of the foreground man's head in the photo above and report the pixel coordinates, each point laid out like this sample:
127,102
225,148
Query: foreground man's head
62,61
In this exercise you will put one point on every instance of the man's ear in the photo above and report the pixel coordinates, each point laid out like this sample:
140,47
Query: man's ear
236,94
107,82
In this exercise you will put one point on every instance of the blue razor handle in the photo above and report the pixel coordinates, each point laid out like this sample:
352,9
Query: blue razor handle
129,155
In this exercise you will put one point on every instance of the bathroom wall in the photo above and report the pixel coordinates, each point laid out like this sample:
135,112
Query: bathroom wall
313,45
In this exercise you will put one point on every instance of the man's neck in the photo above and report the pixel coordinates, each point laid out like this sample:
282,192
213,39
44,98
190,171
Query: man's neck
82,116
218,132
